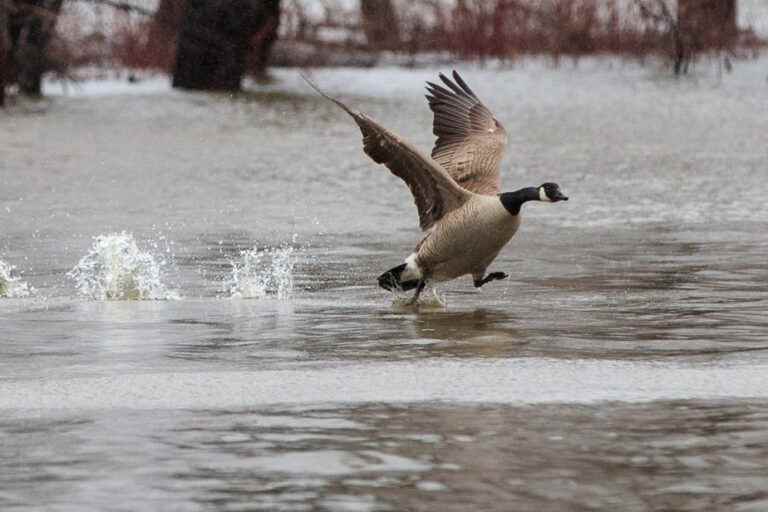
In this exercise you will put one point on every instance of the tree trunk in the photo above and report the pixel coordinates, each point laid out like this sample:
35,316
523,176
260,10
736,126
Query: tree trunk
5,47
266,36
380,24
33,37
214,41
164,30
708,24
168,14
720,14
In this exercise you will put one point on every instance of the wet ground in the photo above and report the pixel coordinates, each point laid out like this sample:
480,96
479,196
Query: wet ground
622,366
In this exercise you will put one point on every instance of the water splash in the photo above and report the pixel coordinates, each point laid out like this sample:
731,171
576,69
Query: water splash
12,286
427,301
262,273
116,269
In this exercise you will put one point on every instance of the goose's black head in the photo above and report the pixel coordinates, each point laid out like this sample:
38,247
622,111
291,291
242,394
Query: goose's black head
548,192
551,192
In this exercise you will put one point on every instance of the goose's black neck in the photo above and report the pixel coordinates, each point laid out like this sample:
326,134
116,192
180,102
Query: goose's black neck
513,201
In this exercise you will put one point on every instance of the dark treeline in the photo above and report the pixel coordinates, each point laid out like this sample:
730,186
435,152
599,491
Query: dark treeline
207,44
694,27
212,44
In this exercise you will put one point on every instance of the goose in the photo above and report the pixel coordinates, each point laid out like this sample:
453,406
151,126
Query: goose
465,217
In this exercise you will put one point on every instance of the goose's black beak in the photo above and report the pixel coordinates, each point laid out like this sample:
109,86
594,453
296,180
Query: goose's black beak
559,197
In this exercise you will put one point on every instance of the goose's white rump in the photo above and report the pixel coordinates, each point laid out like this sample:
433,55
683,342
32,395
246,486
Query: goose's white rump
412,270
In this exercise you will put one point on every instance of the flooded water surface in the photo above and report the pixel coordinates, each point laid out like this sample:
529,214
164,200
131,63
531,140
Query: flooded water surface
190,318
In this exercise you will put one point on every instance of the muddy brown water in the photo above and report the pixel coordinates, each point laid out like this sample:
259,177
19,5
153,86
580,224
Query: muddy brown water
622,366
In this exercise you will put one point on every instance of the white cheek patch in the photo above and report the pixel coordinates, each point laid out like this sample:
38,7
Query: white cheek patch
543,195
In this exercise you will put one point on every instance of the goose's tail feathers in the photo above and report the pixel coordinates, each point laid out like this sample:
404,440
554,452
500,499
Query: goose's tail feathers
392,279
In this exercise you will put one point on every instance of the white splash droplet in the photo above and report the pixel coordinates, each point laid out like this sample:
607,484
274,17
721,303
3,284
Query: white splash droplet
262,273
116,269
11,286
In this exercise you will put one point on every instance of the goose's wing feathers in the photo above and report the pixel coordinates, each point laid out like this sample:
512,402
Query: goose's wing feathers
470,141
434,191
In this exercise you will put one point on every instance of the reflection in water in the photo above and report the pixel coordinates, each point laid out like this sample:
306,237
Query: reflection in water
663,455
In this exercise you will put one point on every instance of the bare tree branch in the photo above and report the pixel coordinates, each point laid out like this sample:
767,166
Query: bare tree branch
121,6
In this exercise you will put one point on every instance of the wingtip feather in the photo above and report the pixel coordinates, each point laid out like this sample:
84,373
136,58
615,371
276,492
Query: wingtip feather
319,91
447,81
463,84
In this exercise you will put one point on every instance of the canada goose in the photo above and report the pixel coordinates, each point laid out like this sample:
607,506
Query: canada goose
466,219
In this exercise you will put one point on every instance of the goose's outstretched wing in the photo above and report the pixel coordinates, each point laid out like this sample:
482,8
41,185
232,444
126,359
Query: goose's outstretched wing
470,141
434,191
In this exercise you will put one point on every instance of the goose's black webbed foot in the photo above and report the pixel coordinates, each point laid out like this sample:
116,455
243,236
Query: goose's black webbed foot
493,276
419,289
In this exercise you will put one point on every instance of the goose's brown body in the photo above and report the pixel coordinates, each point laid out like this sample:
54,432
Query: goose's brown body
466,240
